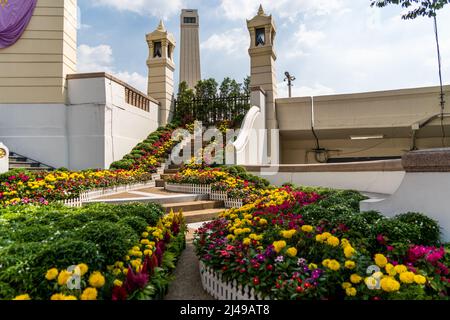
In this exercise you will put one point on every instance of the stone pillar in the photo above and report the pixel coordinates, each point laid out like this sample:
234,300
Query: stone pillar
161,67
425,189
4,158
262,59
190,66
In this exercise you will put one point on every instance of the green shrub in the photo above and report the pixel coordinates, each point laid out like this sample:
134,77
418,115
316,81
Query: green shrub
372,216
124,164
429,229
113,242
398,232
138,224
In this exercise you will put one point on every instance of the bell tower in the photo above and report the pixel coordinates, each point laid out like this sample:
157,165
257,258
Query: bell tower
161,67
262,31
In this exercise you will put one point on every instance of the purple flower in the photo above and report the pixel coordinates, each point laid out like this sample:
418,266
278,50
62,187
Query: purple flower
301,262
279,259
260,257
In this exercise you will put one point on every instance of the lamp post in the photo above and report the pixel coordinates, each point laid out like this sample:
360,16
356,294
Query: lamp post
289,80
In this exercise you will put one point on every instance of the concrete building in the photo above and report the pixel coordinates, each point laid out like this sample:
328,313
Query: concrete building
51,114
190,69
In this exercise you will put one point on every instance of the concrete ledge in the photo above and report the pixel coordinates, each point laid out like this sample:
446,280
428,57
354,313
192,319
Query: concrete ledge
431,160
76,76
379,166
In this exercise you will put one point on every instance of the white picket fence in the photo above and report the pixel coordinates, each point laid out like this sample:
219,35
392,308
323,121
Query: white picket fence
96,193
189,188
233,203
223,196
214,284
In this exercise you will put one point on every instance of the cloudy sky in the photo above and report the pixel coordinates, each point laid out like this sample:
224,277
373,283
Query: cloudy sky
331,46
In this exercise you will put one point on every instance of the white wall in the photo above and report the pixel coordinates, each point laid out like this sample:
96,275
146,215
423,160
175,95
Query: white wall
112,127
384,182
426,192
96,129
37,131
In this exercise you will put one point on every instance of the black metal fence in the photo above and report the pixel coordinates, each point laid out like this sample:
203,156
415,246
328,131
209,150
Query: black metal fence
213,110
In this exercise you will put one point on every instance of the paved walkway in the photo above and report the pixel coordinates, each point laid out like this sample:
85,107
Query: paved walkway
187,284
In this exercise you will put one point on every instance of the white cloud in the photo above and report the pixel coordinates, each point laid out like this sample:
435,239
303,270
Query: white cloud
100,59
92,59
154,8
229,42
304,91
246,9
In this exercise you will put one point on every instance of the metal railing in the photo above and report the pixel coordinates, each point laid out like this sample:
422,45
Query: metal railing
213,110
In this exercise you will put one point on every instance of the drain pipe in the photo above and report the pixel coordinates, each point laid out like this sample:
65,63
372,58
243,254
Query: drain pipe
320,154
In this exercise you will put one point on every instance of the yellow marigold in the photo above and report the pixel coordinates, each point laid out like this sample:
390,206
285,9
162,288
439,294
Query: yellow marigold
350,264
247,241
371,282
279,245
22,297
407,277
419,279
145,234
230,237
292,252
70,298
63,277
355,278
326,262
288,234
89,294
334,265
400,268
57,296
118,283
148,252
307,228
351,292
52,274
346,285
380,260
312,266
344,243
145,241
349,251
83,268
333,241
389,284
97,280
390,269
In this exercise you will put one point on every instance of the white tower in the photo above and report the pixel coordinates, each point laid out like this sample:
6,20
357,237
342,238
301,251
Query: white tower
190,48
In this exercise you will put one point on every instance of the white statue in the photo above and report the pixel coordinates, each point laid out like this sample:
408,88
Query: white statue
4,158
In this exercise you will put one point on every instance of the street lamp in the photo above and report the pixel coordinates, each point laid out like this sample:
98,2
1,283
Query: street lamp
289,80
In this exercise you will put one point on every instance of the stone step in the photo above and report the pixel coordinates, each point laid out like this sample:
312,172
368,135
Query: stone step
160,183
202,215
171,171
193,206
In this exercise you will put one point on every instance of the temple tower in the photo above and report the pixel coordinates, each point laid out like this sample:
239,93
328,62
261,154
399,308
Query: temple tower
263,75
190,48
161,67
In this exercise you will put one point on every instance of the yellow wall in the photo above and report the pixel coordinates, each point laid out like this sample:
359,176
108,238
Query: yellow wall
33,70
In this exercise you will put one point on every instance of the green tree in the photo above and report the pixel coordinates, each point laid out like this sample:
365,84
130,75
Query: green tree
246,86
206,89
230,88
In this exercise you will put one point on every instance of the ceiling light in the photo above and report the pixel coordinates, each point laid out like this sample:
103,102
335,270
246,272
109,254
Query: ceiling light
377,136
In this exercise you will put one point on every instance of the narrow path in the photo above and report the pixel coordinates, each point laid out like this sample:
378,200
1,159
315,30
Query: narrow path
187,284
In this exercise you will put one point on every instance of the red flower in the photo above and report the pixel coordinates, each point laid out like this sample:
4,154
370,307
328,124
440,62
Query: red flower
119,294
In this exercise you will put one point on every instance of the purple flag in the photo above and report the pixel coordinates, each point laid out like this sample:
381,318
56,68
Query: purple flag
14,18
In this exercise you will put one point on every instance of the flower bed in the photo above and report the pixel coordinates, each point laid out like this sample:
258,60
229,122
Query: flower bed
284,246
23,187
95,252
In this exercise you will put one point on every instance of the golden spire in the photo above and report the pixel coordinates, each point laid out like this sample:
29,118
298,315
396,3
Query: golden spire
161,26
261,11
